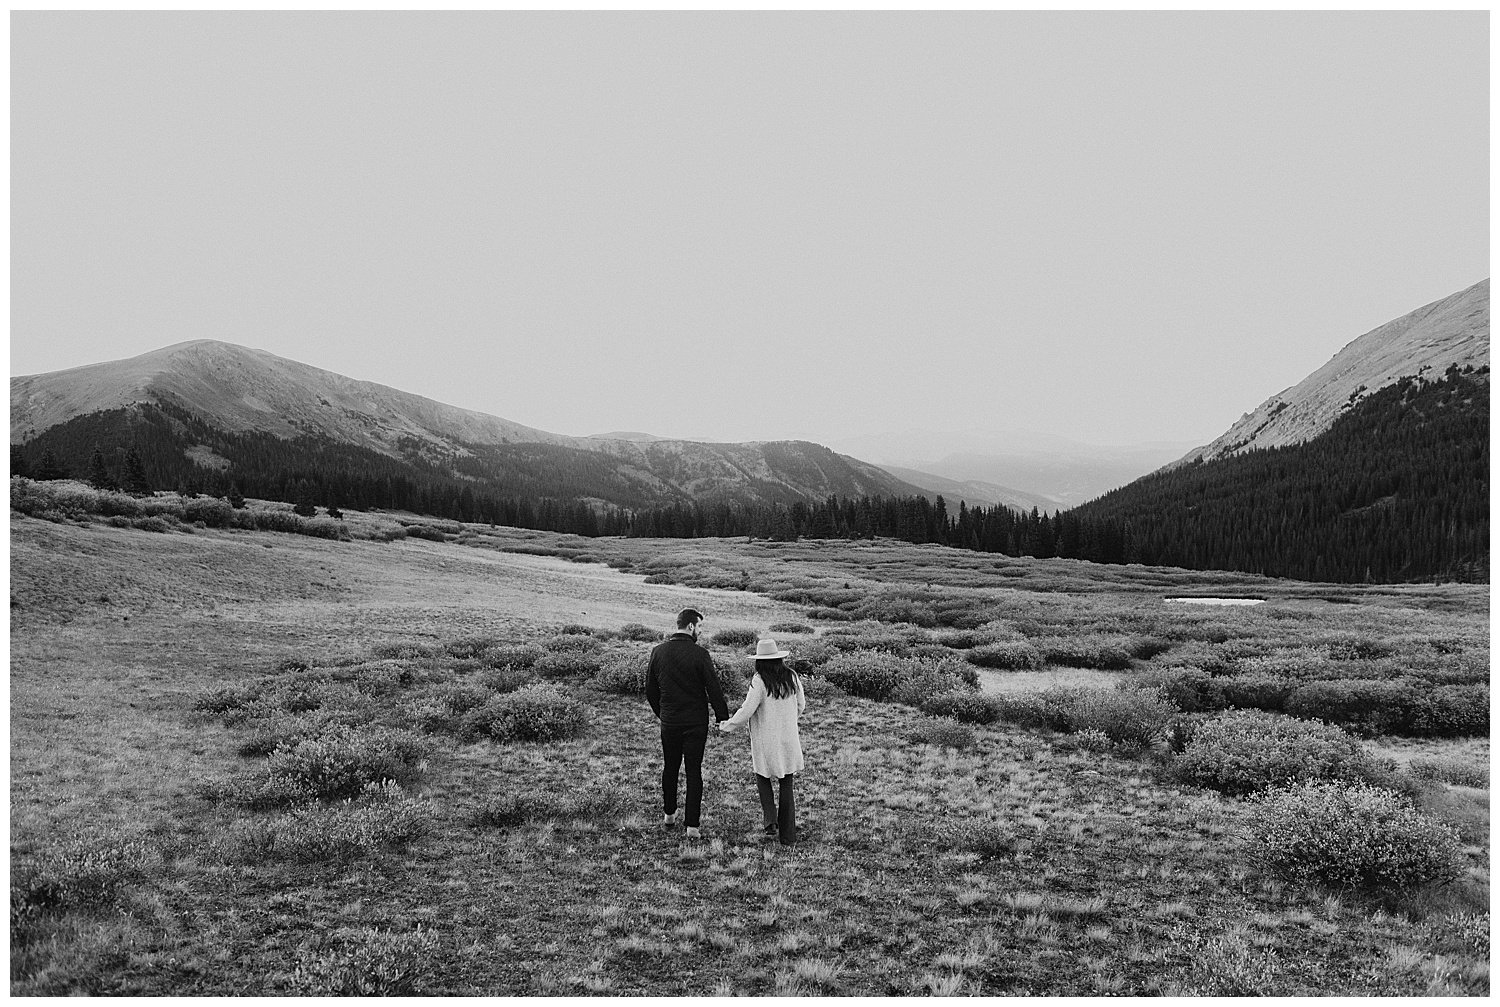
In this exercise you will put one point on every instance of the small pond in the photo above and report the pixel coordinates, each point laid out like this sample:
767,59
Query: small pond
1219,601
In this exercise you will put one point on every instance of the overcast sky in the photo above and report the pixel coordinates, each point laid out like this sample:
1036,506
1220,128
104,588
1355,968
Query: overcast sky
1114,227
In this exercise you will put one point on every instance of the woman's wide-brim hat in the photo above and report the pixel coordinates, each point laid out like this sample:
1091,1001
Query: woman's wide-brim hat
766,650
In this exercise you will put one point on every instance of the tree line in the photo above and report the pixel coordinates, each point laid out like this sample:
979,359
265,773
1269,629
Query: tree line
1397,490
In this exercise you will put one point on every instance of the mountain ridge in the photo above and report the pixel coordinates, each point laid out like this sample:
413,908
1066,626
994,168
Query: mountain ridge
1452,330
240,391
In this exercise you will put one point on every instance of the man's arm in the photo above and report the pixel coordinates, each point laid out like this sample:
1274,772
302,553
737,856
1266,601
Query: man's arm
715,691
653,686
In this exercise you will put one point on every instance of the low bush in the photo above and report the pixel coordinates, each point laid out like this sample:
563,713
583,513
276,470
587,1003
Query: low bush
536,713
734,677
1454,771
1130,718
790,627
1101,653
1453,711
940,731
927,677
1242,751
1008,655
369,963
213,512
568,664
84,870
1366,706
868,673
153,523
1357,647
625,676
525,656
506,678
735,637
1256,691
383,816
1048,709
426,532
640,633
1351,835
572,643
831,615
470,647
1191,690
970,707
339,763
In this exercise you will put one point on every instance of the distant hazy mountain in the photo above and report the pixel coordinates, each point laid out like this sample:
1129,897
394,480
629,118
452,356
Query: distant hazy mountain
1454,330
255,415
1050,472
972,492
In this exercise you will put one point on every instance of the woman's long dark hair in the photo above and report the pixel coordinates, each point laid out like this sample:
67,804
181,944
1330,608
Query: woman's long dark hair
780,680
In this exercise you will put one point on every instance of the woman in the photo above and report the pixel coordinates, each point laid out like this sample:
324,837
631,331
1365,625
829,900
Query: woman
771,707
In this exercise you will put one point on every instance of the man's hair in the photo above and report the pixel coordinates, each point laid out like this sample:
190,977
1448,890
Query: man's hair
688,617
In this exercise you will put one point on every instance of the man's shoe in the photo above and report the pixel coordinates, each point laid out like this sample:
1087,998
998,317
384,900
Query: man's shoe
693,833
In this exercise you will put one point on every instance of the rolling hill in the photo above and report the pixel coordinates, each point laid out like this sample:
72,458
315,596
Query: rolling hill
209,411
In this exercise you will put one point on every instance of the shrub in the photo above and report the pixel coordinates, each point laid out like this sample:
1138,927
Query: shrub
156,524
830,614
514,657
1048,709
369,962
1351,835
625,675
1105,654
426,532
1355,647
640,632
341,762
572,643
964,705
277,728
1009,655
212,512
83,870
1449,711
1130,718
790,627
568,664
1454,771
537,713
1242,751
1091,740
382,816
469,647
507,678
1367,706
576,629
1190,689
927,678
867,673
736,637
1256,691
940,731
734,676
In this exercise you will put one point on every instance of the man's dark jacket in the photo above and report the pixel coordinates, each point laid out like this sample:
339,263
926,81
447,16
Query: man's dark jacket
681,683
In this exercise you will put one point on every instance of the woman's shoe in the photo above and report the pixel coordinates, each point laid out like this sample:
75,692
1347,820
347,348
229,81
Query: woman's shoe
769,832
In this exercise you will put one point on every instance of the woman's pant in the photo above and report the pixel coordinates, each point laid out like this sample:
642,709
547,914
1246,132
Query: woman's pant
679,745
786,819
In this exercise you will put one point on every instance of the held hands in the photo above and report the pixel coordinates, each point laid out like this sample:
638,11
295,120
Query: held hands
725,727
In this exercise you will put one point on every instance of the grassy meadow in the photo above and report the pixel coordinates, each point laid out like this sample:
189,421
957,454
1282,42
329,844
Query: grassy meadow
414,757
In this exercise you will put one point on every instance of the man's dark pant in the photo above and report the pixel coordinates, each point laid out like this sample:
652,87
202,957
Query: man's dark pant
786,819
681,744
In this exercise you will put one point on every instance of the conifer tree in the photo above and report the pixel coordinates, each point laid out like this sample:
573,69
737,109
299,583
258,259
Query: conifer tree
135,480
99,476
48,468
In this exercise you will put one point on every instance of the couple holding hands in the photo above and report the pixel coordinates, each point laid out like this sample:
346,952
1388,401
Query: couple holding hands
681,686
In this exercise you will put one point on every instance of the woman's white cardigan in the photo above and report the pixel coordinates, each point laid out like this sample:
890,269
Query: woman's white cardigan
775,747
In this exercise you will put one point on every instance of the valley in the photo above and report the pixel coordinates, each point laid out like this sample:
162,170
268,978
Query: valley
939,855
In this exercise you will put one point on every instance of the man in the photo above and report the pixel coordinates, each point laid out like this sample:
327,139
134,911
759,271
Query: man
681,684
